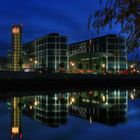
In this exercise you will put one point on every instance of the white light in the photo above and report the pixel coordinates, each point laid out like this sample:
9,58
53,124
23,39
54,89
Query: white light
15,130
36,103
31,107
106,103
72,64
132,96
26,70
31,59
131,66
103,65
36,62
103,98
134,90
72,99
90,119
55,97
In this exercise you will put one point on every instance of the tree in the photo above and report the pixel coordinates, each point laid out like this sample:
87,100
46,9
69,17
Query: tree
62,67
80,66
123,12
20,63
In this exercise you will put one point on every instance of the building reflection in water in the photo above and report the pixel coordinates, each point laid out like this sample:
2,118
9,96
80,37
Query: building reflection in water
134,94
51,109
107,107
16,118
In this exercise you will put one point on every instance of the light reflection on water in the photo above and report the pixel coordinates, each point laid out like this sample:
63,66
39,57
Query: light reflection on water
108,108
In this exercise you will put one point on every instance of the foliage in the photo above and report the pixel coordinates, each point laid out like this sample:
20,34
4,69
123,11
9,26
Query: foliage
123,12
20,63
62,65
80,66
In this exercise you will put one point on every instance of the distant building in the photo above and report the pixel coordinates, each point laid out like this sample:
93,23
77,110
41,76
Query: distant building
3,64
102,54
16,47
46,52
9,60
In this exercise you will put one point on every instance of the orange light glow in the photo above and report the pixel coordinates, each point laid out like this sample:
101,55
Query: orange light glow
15,30
15,130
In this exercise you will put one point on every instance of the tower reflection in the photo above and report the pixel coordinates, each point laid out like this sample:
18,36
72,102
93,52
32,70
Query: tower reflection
16,118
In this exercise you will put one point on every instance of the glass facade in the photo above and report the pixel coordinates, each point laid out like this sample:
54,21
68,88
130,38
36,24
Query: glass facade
16,47
118,60
47,52
49,109
108,107
103,54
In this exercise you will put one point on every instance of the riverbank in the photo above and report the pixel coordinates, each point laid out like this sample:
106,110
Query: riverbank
39,81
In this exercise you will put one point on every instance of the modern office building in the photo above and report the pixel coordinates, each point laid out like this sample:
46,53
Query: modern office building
16,47
102,54
47,52
107,107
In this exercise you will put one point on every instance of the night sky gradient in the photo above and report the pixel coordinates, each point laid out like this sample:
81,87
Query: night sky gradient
41,17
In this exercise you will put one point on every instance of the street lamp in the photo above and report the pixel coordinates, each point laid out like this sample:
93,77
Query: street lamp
31,59
72,65
103,65
132,66
36,62
103,68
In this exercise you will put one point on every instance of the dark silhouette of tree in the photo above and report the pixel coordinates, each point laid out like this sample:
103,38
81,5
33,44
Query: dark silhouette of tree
80,66
62,65
20,63
123,12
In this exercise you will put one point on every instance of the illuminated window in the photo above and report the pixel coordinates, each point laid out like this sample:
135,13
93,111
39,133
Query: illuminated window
15,130
15,30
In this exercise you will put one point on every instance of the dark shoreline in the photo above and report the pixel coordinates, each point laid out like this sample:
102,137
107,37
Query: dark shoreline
12,81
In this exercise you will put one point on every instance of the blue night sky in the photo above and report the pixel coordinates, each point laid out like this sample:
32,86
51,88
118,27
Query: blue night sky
41,17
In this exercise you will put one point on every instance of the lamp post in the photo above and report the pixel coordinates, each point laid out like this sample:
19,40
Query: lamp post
32,62
35,62
72,66
103,68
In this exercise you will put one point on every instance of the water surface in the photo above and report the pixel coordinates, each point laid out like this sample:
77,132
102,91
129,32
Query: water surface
108,114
